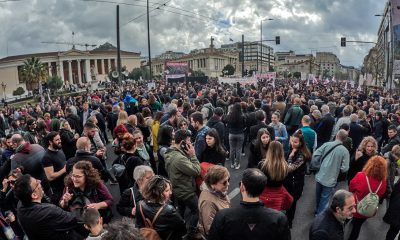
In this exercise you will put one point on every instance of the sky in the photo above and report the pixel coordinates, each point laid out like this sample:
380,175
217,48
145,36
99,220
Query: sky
304,26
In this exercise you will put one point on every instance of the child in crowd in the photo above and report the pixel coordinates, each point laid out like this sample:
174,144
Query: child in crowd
94,223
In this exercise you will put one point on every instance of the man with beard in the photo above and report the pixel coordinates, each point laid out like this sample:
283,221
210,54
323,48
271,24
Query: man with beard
54,165
30,134
42,220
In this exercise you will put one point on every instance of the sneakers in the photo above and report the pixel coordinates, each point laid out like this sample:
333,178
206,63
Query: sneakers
243,154
237,166
232,165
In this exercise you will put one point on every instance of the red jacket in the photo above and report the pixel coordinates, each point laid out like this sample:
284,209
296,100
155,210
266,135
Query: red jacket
277,198
359,187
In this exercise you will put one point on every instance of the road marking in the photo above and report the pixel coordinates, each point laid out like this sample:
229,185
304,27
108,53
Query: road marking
233,194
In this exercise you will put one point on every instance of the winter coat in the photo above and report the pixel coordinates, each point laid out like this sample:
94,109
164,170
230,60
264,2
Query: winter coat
255,156
392,215
359,187
127,201
182,171
211,155
75,123
68,143
277,198
293,116
294,181
217,124
169,222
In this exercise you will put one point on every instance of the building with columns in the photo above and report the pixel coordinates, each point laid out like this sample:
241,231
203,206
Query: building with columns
73,66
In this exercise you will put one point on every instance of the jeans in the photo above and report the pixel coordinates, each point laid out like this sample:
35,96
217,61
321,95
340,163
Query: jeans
392,233
190,203
323,194
235,145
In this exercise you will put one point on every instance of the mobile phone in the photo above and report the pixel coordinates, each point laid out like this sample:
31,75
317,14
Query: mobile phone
184,146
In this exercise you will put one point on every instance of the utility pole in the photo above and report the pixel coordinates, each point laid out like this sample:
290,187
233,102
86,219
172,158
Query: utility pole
261,51
148,39
242,55
118,49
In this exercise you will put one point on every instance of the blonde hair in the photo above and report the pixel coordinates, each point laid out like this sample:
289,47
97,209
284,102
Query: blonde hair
275,166
122,118
365,141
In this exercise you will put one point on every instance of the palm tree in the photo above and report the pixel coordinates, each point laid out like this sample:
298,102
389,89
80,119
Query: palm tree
33,73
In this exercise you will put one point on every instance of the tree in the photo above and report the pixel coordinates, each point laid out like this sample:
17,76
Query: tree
228,70
297,75
18,92
54,83
136,73
199,73
33,73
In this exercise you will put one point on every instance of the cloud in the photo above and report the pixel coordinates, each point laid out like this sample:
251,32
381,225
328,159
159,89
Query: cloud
182,25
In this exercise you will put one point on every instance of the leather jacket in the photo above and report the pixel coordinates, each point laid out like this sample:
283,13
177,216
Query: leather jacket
169,224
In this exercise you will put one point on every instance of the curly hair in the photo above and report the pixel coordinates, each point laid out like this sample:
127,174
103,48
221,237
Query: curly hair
92,176
376,167
154,189
363,145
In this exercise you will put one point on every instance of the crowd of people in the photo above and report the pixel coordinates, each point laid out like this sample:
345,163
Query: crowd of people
176,146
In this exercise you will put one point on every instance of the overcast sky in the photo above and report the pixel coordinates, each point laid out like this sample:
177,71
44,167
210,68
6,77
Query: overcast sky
304,26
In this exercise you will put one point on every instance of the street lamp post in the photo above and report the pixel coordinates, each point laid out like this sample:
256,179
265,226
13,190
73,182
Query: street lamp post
261,51
3,85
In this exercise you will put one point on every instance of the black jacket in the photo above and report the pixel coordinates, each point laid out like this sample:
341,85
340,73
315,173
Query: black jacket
392,215
87,156
127,202
131,162
356,133
249,221
168,222
75,123
218,125
324,129
326,227
47,221
213,156
255,156
68,143
392,142
254,130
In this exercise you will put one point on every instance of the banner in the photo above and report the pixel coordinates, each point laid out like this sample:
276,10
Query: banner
242,81
268,75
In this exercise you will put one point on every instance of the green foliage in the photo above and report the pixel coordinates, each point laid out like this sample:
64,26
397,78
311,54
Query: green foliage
199,73
297,75
228,70
18,92
136,73
54,83
33,72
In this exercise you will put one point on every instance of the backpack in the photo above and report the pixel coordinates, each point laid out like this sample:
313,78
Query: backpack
368,206
210,111
148,232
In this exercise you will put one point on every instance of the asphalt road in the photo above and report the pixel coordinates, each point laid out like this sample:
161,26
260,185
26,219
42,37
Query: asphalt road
373,229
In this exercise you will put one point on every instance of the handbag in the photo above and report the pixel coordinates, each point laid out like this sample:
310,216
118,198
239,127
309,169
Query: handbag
317,161
119,169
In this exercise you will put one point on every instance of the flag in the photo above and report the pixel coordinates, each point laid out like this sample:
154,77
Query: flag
297,85
308,82
359,88
352,84
333,79
273,83
230,39
315,81
345,86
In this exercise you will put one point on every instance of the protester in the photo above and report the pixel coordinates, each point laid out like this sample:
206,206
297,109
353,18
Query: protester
214,152
367,149
251,220
236,123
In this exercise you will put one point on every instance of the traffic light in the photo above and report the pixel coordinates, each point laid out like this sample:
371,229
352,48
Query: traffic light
343,42
277,40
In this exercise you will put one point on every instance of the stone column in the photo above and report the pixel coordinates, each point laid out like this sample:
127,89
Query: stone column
87,71
50,69
79,71
96,71
102,67
61,70
70,72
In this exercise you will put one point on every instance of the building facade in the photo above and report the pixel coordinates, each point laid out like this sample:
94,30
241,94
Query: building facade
73,66
329,62
303,63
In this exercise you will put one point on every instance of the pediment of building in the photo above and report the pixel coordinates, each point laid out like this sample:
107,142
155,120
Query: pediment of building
73,52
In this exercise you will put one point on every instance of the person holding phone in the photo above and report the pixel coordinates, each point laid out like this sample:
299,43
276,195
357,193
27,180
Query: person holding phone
183,167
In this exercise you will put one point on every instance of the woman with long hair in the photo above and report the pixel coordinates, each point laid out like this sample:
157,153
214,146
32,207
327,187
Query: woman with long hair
371,179
122,118
236,123
168,224
214,152
367,149
155,127
297,158
143,150
281,134
68,139
275,167
213,197
259,148
84,187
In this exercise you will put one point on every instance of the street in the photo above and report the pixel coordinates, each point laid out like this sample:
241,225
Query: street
372,229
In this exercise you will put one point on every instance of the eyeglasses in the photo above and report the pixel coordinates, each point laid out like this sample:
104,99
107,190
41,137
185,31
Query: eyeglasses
37,185
226,182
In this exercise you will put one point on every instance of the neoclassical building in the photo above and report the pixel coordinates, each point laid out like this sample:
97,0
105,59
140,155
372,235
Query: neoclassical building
73,66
